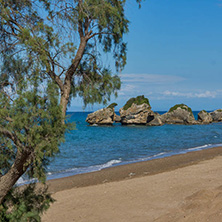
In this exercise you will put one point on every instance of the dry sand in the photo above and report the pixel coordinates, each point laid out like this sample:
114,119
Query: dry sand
184,187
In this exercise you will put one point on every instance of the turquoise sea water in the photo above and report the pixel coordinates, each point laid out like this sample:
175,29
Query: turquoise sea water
92,148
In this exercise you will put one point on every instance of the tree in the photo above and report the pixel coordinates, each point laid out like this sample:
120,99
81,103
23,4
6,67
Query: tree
70,43
30,129
57,45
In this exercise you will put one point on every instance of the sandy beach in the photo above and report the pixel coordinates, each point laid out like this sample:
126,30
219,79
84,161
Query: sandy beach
185,187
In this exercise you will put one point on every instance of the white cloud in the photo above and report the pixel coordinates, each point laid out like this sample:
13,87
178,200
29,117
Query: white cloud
145,84
206,94
126,89
150,78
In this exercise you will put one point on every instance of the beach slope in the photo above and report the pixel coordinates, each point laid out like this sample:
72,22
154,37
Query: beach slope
185,187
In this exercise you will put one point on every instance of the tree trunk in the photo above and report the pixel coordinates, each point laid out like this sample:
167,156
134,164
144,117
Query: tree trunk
11,177
69,75
20,165
65,97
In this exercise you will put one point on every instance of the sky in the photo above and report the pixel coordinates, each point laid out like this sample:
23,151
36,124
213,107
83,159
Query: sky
174,55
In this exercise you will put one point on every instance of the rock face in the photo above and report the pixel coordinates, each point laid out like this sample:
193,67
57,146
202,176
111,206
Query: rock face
204,117
179,114
138,111
136,114
101,117
216,115
117,118
154,120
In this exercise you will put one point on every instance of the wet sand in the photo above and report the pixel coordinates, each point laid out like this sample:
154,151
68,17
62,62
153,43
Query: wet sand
185,187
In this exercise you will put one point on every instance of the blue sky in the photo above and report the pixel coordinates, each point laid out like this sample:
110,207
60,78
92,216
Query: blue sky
174,55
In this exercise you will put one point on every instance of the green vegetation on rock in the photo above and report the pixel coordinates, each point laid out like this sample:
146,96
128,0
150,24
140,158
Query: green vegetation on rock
139,100
111,106
182,106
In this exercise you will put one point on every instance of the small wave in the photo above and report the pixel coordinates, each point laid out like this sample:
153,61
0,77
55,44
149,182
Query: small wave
200,147
167,154
162,154
110,163
75,171
206,146
159,154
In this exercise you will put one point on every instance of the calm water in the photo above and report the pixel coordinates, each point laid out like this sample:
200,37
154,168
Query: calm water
91,148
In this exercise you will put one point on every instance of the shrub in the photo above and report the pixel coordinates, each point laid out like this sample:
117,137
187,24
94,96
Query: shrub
182,106
111,106
139,100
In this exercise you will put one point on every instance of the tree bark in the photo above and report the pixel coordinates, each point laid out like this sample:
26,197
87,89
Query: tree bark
65,97
65,93
22,163
19,167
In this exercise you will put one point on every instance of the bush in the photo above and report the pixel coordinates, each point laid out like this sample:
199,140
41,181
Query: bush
111,106
25,204
139,100
182,106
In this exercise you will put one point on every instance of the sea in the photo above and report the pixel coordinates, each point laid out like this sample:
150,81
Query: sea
93,148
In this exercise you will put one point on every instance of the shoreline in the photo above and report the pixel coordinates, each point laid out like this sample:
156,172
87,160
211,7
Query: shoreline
118,162
181,188
133,170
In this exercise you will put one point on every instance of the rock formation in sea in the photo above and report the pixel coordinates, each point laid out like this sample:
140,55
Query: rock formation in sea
105,116
135,114
216,115
138,111
179,114
117,118
204,117
154,120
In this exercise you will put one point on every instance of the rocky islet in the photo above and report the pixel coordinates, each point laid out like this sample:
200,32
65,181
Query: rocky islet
138,111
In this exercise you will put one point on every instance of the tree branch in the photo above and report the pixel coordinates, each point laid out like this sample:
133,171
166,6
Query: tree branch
11,136
56,79
99,33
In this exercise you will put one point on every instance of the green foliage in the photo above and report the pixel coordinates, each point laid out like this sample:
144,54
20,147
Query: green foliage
42,59
31,130
203,111
25,204
182,106
139,100
97,86
112,105
47,30
36,123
